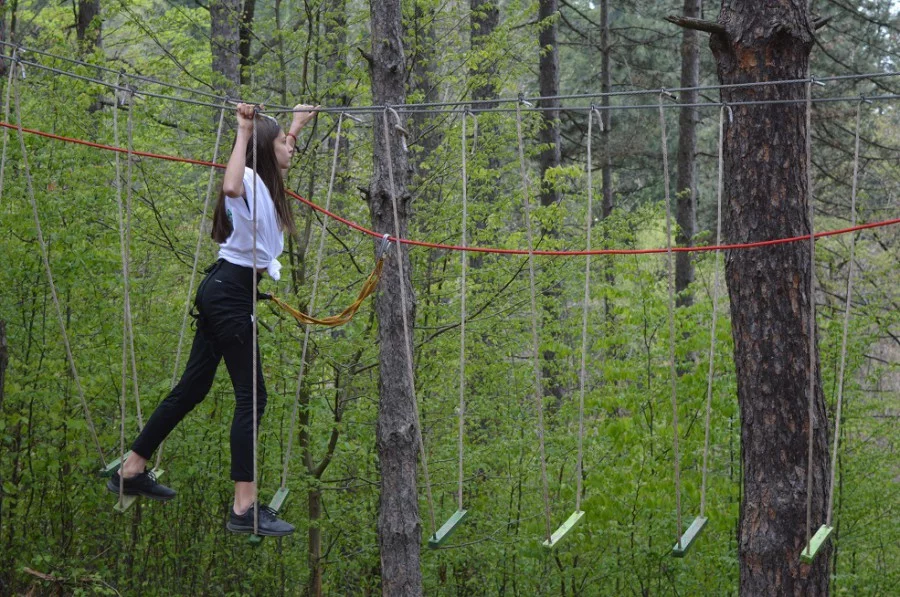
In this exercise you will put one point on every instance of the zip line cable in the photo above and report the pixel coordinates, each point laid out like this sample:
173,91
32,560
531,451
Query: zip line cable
473,105
476,249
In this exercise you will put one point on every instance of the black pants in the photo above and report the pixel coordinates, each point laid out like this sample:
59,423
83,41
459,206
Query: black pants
224,302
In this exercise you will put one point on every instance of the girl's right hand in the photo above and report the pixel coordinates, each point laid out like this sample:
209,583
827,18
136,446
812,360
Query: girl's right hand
245,115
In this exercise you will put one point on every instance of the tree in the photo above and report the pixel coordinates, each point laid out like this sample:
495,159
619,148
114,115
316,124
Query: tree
87,23
772,300
686,185
399,528
225,43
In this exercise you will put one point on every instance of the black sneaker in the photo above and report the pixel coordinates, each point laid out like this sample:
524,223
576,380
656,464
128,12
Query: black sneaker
269,525
144,484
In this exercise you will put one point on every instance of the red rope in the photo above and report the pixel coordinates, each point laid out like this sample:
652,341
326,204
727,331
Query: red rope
419,243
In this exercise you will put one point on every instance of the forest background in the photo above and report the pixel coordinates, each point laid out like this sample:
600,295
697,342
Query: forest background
58,531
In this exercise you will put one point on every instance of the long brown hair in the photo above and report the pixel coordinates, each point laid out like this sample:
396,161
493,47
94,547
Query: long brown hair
267,131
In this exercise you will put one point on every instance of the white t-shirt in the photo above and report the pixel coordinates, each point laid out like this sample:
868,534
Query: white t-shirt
238,247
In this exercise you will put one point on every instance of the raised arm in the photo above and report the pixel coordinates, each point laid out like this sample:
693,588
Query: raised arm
233,182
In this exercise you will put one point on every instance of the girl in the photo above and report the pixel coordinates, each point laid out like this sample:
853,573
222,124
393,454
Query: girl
224,303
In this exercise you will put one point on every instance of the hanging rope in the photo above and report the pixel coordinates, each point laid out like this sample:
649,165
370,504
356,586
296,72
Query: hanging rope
9,83
812,313
671,307
538,384
589,219
464,266
840,387
403,306
312,301
46,259
190,293
715,305
254,334
127,328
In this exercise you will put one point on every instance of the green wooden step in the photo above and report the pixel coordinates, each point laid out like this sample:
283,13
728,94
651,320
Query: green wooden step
688,537
110,469
816,543
563,530
443,533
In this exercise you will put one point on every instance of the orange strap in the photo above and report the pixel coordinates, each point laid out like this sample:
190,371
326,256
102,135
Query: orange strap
344,316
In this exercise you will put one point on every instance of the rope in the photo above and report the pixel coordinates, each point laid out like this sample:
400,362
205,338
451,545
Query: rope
253,344
840,388
671,283
312,302
190,292
46,259
538,389
344,316
464,264
589,218
9,82
475,249
127,263
812,313
403,303
715,305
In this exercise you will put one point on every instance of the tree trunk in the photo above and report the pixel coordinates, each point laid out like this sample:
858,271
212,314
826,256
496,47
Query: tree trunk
686,185
88,27
314,501
605,87
548,75
4,37
399,528
224,43
771,300
484,19
245,33
4,362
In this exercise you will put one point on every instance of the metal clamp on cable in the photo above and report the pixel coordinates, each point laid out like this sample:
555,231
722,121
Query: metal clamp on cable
383,249
525,102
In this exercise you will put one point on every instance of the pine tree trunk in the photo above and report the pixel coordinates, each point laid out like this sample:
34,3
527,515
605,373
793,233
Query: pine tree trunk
224,43
605,88
771,300
484,19
86,28
399,528
245,32
548,75
687,149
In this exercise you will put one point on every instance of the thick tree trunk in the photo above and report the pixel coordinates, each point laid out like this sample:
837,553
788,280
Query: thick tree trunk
399,528
314,503
87,27
686,184
484,19
224,43
245,33
771,300
548,76
605,88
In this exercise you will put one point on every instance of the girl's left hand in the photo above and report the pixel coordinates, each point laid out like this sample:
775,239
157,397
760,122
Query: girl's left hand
303,113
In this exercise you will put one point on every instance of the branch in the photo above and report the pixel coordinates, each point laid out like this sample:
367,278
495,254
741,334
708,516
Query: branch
696,24
820,22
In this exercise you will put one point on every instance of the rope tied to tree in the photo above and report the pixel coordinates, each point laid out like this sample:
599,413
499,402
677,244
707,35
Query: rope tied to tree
538,384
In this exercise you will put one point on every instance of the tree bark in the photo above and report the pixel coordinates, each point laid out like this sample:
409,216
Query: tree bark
399,528
224,43
484,19
686,185
245,33
4,362
88,27
771,299
605,88
548,75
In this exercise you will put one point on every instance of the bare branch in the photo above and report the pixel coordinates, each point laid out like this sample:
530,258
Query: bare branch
696,24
